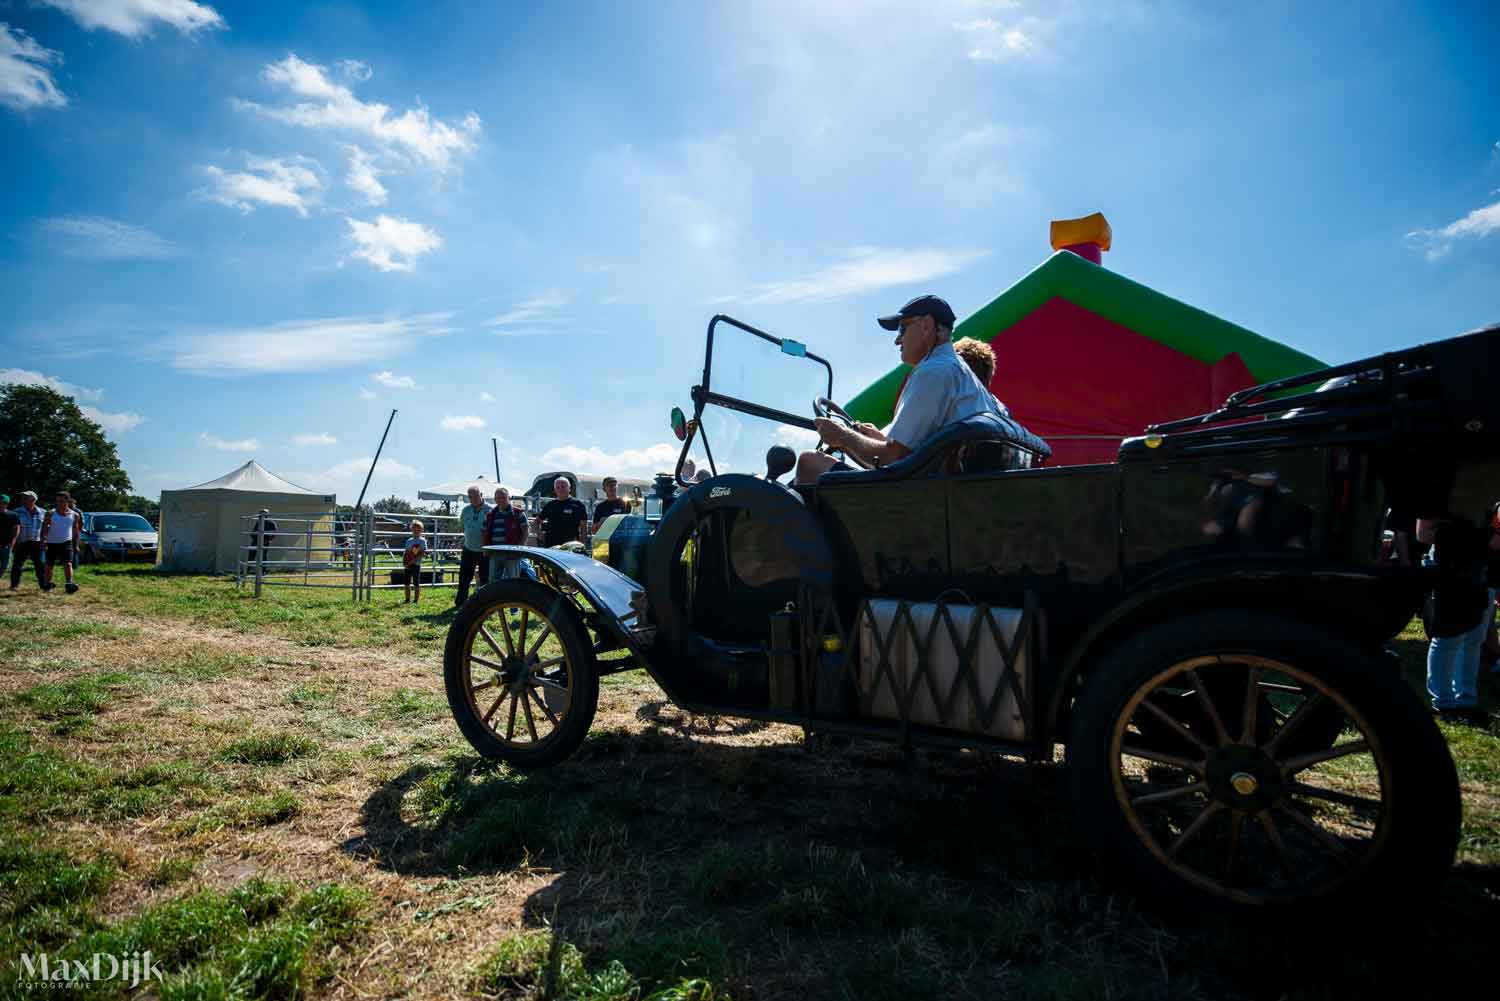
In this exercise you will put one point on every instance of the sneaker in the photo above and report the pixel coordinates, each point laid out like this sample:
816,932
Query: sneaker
71,588
48,587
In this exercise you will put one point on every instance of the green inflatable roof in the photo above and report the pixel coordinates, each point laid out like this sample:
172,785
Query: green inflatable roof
1065,275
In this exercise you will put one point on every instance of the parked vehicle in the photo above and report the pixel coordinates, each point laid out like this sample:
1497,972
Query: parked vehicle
116,535
1200,623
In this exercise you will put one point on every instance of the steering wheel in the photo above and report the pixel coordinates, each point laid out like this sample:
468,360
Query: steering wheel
824,407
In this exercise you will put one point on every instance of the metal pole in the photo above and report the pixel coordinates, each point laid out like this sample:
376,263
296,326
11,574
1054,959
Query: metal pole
375,460
260,550
496,449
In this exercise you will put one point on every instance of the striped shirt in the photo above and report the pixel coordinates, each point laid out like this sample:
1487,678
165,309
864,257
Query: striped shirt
31,524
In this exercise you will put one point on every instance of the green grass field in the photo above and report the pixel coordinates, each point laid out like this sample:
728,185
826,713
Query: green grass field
270,795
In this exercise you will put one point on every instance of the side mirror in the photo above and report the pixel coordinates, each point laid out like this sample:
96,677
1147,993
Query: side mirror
679,423
779,461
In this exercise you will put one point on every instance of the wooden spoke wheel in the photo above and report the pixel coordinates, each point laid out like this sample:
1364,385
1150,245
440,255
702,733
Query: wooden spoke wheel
1248,762
520,674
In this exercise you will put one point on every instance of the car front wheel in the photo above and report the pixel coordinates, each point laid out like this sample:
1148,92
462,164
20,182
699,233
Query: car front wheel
520,674
1245,762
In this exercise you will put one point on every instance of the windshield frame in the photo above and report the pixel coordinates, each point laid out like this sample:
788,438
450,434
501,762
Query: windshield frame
703,395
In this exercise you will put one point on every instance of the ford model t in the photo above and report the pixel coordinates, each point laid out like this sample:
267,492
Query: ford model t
1200,624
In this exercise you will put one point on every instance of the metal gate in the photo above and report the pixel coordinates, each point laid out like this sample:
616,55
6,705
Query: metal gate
360,552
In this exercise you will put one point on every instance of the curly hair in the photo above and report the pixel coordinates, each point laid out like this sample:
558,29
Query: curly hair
979,356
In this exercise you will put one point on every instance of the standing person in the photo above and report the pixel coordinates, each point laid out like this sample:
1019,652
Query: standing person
411,558
611,504
262,534
565,517
60,531
28,542
10,527
471,519
1460,614
506,527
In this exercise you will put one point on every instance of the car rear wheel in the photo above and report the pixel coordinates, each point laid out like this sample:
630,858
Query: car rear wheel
520,674
1245,762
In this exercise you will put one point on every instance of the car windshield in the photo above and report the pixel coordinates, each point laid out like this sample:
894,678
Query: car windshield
751,369
121,523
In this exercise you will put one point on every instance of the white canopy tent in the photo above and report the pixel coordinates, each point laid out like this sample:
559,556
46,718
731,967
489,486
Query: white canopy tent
458,490
202,527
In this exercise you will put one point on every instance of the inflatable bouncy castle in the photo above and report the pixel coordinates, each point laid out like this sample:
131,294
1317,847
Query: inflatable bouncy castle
1085,356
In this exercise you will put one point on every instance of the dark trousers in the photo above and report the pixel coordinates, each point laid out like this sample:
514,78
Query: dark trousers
468,563
18,558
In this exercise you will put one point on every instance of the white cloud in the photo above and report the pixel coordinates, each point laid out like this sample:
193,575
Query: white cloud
230,445
366,394
26,377
344,478
134,18
98,238
296,346
537,309
452,423
797,438
391,380
115,424
291,183
987,39
486,397
866,270
1477,225
634,462
333,106
364,178
391,244
25,80
315,438
355,70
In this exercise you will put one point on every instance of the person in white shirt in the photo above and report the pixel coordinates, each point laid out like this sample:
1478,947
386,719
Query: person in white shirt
941,389
60,533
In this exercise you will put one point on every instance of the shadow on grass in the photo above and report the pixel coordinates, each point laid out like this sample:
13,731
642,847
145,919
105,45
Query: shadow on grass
863,873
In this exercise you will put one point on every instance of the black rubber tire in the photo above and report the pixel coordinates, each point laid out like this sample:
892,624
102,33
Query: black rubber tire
571,633
1422,804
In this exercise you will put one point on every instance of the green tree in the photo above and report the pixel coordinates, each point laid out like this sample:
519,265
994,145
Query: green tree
394,504
143,506
49,445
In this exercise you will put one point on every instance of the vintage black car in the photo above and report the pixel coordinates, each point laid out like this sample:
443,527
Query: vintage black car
1201,623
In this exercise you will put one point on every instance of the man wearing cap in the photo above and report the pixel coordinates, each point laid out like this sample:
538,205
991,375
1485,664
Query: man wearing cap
10,527
939,390
28,540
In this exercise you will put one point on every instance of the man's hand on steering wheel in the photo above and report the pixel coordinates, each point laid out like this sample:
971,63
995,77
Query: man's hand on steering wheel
833,425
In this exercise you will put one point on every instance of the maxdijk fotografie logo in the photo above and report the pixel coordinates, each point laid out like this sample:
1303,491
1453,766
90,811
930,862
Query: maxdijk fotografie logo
129,970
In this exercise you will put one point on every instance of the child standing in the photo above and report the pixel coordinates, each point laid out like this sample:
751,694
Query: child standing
412,553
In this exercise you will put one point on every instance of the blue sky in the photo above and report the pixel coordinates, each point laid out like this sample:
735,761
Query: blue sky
242,230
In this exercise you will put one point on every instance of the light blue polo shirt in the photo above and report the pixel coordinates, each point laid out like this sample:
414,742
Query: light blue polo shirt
940,390
473,524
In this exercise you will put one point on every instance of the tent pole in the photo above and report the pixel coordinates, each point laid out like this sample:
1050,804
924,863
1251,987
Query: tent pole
496,448
378,450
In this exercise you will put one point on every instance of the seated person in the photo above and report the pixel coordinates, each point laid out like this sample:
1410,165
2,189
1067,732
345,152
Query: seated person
941,389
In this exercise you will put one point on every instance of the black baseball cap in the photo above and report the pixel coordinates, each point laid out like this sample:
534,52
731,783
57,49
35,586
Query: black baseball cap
922,305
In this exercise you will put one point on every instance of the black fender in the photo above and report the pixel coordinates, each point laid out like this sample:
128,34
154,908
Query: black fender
1364,607
782,509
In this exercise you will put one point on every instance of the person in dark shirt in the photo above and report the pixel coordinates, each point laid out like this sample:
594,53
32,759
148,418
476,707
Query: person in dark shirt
10,530
611,504
563,519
